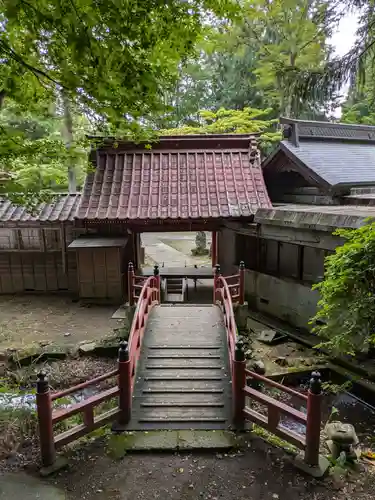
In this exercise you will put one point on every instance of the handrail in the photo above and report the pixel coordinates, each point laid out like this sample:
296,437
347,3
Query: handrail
148,297
79,387
127,362
272,383
221,288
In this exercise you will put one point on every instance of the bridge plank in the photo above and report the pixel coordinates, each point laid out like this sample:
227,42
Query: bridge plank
183,377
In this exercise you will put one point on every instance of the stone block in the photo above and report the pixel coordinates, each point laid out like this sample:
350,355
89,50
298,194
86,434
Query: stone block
317,471
241,313
341,433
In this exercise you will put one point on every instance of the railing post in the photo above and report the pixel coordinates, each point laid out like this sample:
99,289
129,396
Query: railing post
44,410
217,273
314,417
131,283
124,382
242,282
214,249
157,281
238,385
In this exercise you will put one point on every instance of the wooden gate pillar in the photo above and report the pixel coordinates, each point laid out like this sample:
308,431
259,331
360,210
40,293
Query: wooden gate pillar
214,248
44,410
314,419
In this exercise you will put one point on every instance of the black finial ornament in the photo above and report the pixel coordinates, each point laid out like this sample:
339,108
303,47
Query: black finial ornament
315,383
123,352
42,383
242,265
130,266
217,270
156,270
239,354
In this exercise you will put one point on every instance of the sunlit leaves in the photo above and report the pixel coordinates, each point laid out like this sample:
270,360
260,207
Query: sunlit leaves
346,316
246,121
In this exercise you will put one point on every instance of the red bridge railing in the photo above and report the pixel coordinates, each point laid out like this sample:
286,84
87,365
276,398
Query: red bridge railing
230,290
123,382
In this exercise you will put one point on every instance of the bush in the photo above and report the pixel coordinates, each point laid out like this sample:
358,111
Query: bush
346,314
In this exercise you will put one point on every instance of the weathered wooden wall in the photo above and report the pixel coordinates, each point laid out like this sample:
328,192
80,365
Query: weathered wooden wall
34,259
37,272
99,274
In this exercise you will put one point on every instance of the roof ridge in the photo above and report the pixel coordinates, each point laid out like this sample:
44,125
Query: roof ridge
296,130
359,126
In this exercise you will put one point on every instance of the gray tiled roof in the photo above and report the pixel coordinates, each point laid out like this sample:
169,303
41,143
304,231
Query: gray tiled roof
336,162
62,209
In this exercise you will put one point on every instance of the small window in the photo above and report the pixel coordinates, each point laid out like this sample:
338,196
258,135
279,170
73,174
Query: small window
271,256
289,260
313,264
52,239
8,239
247,251
30,239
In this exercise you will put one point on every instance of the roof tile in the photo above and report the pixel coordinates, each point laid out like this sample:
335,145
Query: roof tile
175,183
62,209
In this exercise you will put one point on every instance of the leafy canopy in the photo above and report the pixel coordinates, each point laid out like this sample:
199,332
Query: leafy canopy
34,157
246,121
111,57
110,60
346,316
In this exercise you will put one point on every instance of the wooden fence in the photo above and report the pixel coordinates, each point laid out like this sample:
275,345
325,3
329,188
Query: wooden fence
229,290
308,442
122,388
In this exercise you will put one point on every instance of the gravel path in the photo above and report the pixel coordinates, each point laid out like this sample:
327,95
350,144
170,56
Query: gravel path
260,472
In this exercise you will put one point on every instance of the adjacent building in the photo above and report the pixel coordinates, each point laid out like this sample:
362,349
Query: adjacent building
278,217
321,177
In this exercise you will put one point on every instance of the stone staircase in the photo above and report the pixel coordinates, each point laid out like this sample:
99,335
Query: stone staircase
183,377
174,290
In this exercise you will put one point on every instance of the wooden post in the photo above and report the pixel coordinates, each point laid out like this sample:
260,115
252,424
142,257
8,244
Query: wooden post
242,283
157,282
238,385
314,418
214,249
216,284
44,410
131,283
124,382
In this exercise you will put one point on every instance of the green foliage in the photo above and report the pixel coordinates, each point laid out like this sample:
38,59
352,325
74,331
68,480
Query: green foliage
33,153
111,57
346,314
357,66
111,60
246,121
291,36
360,107
249,61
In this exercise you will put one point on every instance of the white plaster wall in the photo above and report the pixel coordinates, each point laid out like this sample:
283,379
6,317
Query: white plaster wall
287,300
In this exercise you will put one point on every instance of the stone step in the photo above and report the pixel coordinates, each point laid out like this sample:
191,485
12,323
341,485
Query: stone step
189,363
160,384
169,377
181,413
182,404
185,356
186,398
183,377
186,373
184,364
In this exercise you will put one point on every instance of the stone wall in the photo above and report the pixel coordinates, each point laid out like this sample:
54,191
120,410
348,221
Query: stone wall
289,301
280,269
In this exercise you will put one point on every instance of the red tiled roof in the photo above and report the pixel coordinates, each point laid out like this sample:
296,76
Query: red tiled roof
62,209
185,177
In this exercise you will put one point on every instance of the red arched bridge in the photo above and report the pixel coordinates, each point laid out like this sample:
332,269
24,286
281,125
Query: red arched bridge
182,368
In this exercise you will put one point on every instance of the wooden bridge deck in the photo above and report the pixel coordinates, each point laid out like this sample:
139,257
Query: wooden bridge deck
183,376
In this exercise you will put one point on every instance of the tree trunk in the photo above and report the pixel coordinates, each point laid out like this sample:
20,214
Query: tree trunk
68,134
